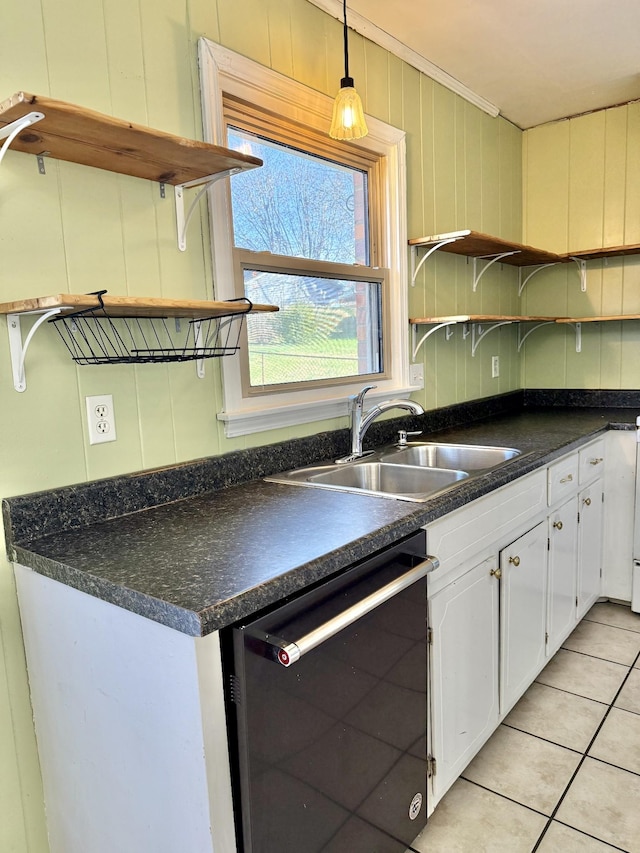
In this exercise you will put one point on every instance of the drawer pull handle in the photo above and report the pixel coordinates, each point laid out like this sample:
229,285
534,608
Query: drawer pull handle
515,561
567,479
596,460
497,573
557,525
587,501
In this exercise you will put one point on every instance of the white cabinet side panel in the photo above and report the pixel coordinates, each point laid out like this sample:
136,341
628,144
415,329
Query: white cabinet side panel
118,723
619,500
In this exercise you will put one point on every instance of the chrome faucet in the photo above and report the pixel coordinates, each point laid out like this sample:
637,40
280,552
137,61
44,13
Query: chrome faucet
361,420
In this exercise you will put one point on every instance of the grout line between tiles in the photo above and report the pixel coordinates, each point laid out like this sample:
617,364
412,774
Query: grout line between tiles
504,796
595,657
588,835
545,739
582,760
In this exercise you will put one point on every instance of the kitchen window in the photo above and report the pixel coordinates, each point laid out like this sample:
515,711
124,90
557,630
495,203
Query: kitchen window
318,230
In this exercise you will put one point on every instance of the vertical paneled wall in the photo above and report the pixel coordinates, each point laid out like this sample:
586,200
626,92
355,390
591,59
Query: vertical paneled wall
77,229
582,191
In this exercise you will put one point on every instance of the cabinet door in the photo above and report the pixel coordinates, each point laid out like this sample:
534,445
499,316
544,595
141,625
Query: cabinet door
463,618
523,613
590,510
563,564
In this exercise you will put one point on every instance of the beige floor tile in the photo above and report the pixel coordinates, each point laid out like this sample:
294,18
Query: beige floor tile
586,676
472,820
524,768
556,715
603,801
618,740
560,837
629,697
620,615
604,641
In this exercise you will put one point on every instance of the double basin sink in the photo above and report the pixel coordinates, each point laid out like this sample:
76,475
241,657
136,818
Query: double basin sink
414,472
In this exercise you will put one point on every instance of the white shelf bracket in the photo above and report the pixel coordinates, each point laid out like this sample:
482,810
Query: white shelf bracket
414,334
478,333
490,261
523,337
578,330
415,268
18,350
522,284
582,269
182,221
10,131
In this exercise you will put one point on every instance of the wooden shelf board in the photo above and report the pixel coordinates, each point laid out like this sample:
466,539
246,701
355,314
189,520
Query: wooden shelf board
90,138
480,318
610,252
474,244
599,319
129,306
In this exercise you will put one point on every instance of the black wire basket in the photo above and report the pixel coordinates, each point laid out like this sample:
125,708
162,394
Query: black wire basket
94,336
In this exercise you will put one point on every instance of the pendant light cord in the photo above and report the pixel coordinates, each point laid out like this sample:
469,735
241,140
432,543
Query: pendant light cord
346,47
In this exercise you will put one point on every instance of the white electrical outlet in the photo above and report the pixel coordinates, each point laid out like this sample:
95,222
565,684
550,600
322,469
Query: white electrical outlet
101,419
495,366
416,375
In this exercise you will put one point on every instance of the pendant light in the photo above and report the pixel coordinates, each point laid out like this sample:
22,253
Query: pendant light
348,116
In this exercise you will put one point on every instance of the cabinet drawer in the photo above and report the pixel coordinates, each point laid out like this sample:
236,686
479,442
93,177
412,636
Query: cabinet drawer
562,478
462,534
591,461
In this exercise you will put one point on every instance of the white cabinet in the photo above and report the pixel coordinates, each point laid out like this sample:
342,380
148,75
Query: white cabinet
562,570
590,531
463,618
523,613
544,537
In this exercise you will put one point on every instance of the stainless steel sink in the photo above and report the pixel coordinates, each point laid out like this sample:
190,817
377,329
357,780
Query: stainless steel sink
381,477
462,457
416,472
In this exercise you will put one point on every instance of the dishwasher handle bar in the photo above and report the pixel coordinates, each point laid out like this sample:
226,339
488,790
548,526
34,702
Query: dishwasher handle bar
287,652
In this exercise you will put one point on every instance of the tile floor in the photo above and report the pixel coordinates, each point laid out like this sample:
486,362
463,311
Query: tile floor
562,773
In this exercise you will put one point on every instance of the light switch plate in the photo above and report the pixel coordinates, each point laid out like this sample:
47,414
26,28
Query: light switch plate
101,419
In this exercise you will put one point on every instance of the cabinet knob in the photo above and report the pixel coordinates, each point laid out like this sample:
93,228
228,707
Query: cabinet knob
515,561
596,460
567,479
557,525
587,501
497,573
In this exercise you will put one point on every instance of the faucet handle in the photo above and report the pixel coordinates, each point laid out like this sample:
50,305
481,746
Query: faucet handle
358,398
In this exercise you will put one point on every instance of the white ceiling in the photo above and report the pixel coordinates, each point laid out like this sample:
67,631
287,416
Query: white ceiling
535,60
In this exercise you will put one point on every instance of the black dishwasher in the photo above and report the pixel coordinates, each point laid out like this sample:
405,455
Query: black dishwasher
327,712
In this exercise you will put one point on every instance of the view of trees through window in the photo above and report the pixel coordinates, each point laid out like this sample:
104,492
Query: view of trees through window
302,206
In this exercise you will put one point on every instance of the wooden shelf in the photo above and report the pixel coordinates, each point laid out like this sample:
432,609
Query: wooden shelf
79,135
130,306
474,244
611,252
610,317
481,318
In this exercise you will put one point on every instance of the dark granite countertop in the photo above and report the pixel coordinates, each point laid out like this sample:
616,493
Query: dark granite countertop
197,563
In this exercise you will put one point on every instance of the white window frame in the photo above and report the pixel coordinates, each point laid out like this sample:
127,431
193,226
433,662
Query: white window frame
224,71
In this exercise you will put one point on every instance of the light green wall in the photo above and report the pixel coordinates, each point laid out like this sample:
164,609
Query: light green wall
78,229
582,191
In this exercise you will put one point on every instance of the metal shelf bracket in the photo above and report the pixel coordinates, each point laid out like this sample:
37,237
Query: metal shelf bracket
489,262
478,332
523,337
522,284
578,330
10,131
182,221
415,345
582,269
18,350
415,267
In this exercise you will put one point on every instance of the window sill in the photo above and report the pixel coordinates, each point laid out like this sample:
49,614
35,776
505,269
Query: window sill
238,423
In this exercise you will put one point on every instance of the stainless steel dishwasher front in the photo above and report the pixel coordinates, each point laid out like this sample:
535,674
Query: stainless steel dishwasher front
327,712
